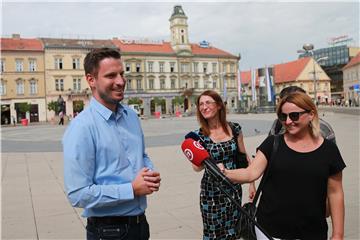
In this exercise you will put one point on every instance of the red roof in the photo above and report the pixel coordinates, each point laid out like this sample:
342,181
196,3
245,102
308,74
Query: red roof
21,44
213,51
165,48
355,60
246,77
285,72
133,46
289,72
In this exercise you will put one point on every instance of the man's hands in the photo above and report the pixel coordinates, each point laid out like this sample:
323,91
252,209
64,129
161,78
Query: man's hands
146,182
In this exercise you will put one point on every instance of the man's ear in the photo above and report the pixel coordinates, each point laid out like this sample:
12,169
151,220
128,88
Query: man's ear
90,79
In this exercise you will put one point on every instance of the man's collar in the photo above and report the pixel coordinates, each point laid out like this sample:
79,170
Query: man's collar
104,111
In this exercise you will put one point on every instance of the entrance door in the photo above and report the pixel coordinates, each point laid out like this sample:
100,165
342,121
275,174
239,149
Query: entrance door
5,114
34,113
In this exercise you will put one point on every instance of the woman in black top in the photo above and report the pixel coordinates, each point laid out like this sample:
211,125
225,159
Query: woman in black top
307,169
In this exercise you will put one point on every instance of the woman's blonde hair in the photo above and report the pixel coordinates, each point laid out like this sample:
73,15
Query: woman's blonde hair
222,112
302,100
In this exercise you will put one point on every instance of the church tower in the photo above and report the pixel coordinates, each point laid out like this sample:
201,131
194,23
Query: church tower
179,32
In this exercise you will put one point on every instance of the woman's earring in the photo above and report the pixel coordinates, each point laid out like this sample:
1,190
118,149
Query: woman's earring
310,124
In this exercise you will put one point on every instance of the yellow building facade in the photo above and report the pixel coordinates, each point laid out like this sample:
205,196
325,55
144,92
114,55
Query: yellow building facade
22,79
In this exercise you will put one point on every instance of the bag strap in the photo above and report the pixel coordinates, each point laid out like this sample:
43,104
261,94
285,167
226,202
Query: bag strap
235,135
266,174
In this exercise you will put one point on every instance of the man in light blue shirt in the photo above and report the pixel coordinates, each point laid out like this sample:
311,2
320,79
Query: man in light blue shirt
106,169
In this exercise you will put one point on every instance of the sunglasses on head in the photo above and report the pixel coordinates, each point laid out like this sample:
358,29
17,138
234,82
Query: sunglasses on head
294,116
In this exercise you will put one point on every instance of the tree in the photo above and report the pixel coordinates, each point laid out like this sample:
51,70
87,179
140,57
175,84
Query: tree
53,106
178,101
135,100
24,107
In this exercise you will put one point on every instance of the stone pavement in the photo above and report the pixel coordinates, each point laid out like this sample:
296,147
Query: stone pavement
34,205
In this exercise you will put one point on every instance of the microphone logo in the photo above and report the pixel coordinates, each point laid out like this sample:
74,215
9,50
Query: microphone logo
198,145
189,154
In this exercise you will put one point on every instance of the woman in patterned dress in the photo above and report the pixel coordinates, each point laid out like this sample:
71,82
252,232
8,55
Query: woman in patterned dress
219,214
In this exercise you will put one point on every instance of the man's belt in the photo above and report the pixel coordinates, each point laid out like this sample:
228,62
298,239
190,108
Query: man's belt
117,219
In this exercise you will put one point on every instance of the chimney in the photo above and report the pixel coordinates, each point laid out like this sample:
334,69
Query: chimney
16,36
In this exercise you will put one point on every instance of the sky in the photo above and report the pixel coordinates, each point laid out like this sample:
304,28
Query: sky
263,32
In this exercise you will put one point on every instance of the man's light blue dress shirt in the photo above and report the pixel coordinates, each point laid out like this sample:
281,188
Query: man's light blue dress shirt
103,153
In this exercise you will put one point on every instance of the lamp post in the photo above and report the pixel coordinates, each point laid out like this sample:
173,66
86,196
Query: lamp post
309,49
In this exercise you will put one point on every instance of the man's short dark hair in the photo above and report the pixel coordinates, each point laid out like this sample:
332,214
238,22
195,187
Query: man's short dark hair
289,90
93,58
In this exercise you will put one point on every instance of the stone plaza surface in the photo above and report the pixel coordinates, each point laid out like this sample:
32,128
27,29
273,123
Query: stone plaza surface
34,204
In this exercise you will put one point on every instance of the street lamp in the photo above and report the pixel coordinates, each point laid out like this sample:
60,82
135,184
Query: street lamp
309,48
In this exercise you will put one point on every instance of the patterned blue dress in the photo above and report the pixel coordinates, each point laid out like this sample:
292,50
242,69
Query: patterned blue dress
219,214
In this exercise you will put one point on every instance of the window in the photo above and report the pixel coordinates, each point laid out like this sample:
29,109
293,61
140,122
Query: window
161,66
162,83
2,88
76,63
77,84
214,83
224,67
196,67
151,84
214,66
232,67
33,87
127,67
205,67
172,67
172,83
138,67
196,84
58,63
2,65
19,65
59,84
184,67
128,84
150,66
138,84
32,65
20,88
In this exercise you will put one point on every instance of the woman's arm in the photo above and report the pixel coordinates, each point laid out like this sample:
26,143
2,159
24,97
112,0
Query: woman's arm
337,208
241,144
249,174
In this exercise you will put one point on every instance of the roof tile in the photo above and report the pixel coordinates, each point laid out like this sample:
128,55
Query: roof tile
21,44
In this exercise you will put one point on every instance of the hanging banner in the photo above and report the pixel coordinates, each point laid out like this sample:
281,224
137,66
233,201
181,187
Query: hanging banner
268,85
253,84
239,84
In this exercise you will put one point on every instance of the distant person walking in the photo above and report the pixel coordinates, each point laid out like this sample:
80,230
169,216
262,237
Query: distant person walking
61,116
13,120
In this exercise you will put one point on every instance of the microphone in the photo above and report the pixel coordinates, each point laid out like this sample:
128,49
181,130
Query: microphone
197,155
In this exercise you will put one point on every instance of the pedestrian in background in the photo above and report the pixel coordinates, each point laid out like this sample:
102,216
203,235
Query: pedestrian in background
61,116
106,169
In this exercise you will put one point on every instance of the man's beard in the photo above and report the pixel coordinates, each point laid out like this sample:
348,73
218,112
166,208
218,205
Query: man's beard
107,99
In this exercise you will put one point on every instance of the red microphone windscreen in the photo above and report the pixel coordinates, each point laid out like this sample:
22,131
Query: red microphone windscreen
194,151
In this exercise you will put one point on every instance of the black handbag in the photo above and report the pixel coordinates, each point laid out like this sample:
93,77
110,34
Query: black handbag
245,226
240,157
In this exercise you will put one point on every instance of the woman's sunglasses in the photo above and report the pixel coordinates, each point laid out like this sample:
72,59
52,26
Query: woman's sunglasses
294,116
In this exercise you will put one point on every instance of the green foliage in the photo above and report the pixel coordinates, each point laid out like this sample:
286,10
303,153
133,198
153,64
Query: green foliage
24,107
158,101
135,100
178,101
53,106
